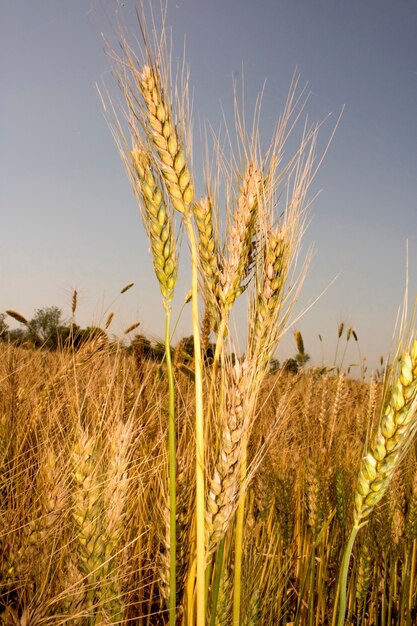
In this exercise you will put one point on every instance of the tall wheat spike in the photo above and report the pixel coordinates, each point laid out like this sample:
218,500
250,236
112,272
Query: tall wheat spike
395,431
157,223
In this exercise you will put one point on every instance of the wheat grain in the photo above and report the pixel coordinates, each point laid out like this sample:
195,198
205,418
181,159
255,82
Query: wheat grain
158,225
236,267
395,431
173,164
209,258
224,484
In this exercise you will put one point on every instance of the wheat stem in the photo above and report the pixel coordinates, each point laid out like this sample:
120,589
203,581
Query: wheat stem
172,476
240,519
199,433
395,432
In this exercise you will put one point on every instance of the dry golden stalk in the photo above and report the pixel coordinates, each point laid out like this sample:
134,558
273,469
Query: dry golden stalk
224,485
42,529
395,431
173,165
235,269
209,257
158,225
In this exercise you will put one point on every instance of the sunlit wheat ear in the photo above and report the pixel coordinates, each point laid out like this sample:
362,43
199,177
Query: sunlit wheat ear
241,238
87,509
395,431
268,301
115,495
165,138
158,224
224,485
208,249
315,496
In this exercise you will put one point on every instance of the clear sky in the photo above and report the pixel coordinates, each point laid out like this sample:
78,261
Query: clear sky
68,216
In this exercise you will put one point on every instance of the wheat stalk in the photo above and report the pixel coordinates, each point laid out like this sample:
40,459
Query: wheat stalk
395,432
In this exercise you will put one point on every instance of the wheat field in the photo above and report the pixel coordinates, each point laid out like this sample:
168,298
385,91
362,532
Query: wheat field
207,491
85,498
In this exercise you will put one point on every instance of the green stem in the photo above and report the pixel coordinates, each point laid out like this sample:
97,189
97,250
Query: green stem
344,574
199,433
172,477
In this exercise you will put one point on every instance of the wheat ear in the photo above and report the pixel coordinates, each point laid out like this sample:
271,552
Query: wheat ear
224,485
209,259
157,223
235,269
268,302
395,432
164,134
115,496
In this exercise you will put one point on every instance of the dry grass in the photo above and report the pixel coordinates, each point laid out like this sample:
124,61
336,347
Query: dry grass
83,493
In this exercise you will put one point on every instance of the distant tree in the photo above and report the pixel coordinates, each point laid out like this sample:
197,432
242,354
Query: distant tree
18,336
4,327
273,366
290,365
302,359
47,327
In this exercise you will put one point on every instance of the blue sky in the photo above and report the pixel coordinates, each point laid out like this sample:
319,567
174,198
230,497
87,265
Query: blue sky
68,216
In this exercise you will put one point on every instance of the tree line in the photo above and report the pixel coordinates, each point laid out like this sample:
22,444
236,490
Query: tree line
49,330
